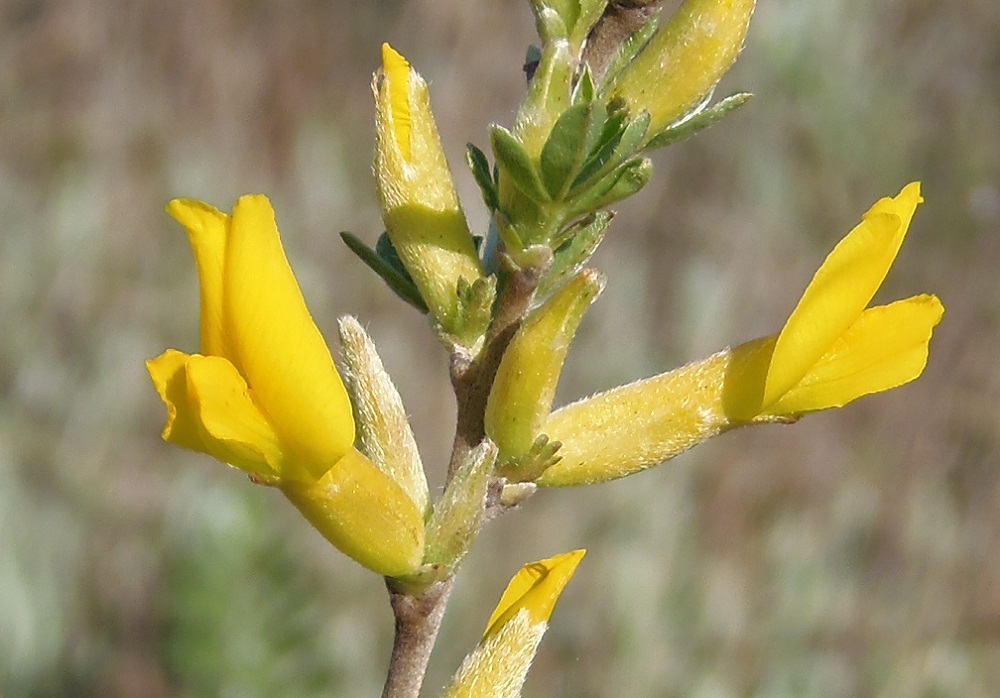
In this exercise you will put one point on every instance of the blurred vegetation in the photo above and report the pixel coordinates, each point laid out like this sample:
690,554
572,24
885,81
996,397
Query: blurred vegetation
853,554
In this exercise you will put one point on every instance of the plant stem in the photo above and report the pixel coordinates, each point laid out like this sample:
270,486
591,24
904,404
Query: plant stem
472,380
418,619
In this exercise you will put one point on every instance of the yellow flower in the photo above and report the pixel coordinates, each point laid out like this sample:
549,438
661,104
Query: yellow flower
832,350
265,396
419,204
498,667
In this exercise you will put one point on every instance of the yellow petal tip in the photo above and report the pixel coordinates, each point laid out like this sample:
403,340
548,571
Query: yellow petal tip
396,70
535,588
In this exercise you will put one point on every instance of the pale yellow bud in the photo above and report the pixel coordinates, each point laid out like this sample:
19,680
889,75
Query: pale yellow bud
685,59
419,205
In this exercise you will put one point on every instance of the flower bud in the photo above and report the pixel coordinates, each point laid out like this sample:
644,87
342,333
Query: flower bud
498,666
419,205
384,433
526,379
685,59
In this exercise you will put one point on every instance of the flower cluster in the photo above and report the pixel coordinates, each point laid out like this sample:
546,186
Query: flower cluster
263,394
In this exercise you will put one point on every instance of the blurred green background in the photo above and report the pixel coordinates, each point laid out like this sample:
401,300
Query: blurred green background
856,553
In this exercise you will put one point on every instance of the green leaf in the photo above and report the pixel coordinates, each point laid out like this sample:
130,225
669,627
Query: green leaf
590,11
481,173
621,141
514,161
626,53
475,305
581,241
574,135
583,90
686,128
549,20
400,282
621,183
387,251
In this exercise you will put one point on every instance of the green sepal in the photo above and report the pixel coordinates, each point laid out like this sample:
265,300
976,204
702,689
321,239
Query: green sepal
395,277
514,161
574,136
542,455
458,514
626,53
685,128
475,308
619,184
480,167
581,241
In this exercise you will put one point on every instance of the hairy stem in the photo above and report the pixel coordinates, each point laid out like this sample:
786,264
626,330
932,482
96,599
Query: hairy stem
472,380
418,619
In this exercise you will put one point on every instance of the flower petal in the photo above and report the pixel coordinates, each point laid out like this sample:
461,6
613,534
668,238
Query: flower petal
169,375
232,428
206,230
536,588
396,70
209,411
840,290
885,348
280,351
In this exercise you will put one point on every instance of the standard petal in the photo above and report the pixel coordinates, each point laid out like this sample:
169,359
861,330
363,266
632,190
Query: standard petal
280,351
206,230
536,588
232,428
885,348
169,375
367,516
839,291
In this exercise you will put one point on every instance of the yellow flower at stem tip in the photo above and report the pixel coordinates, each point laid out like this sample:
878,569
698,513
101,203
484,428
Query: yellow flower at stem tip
265,396
498,667
831,351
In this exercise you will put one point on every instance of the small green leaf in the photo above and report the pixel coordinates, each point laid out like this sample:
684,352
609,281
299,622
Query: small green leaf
400,283
387,251
621,183
481,173
626,53
514,161
590,11
619,142
686,128
583,90
549,21
581,241
574,135
475,306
